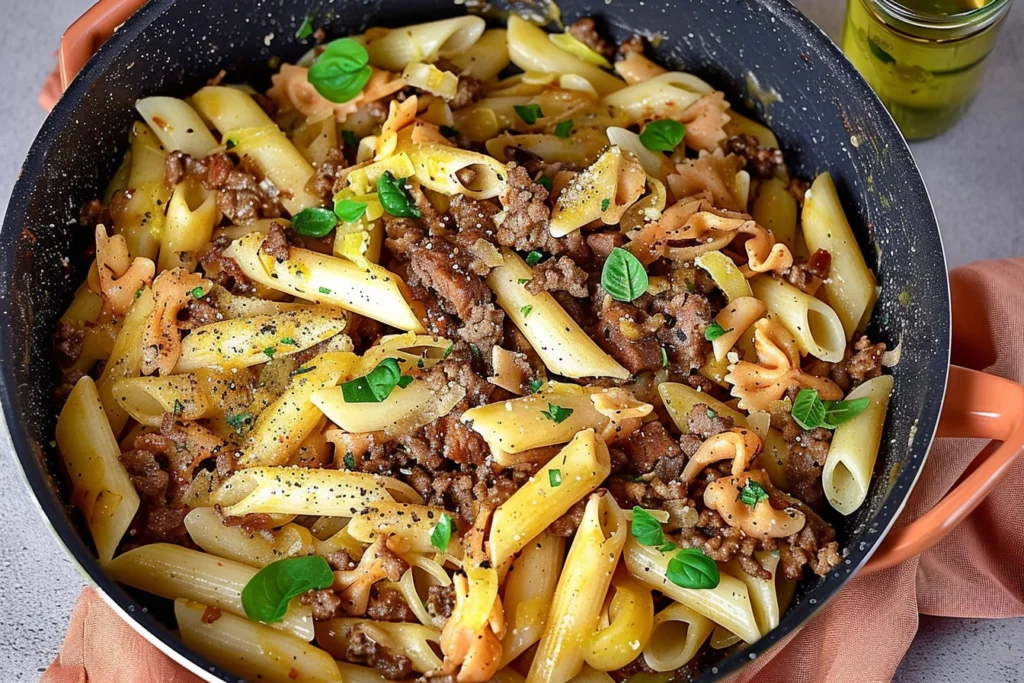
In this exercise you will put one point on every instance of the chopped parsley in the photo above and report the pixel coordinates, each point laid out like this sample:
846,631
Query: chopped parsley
556,414
555,477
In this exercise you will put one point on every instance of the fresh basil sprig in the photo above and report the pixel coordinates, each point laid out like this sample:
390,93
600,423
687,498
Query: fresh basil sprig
341,71
314,222
647,530
623,276
691,568
376,386
810,412
663,135
265,597
393,197
349,210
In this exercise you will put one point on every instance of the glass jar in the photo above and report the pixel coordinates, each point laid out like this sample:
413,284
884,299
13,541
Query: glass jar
926,64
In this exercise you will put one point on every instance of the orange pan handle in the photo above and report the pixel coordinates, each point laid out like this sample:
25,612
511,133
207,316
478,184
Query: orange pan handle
81,41
978,405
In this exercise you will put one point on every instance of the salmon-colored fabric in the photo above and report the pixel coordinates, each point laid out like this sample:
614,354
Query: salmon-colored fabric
863,633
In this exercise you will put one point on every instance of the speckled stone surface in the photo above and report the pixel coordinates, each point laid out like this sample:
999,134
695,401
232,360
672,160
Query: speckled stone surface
974,174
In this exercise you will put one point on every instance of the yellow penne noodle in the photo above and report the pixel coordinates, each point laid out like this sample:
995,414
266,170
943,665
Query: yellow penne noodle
558,339
741,125
177,125
578,469
102,489
257,138
530,49
436,167
854,449
316,137
776,209
249,341
630,620
590,675
125,359
172,571
580,594
655,164
735,319
525,423
815,325
409,640
147,399
208,531
727,604
354,673
403,411
282,426
486,58
581,149
394,49
528,591
191,215
677,635
722,638
603,190
763,598
726,275
252,650
304,491
142,221
367,289
851,286
411,523
665,96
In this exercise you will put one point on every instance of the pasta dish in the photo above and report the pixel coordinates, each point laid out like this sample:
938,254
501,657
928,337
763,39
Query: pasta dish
467,354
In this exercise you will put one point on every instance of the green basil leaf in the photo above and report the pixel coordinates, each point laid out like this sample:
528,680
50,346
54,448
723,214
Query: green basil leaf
392,196
265,597
663,135
350,55
533,258
563,128
556,414
349,210
545,182
714,331
336,84
808,410
838,412
178,408
526,310
448,350
691,568
314,222
529,112
623,276
441,536
269,351
664,357
605,203
555,477
289,341
753,493
377,385
535,385
646,529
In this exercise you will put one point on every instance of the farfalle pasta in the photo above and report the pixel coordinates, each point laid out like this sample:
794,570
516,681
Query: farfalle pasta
466,353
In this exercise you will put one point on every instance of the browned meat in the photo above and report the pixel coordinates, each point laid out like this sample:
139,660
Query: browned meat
560,274
585,31
761,162
526,225
624,332
241,196
326,175
865,363
325,603
148,478
567,524
807,452
198,312
340,560
684,339
276,243
223,270
440,601
814,546
798,188
632,45
93,213
473,216
601,244
67,342
387,604
266,104
469,91
804,273
647,445
535,165
362,650
704,423
67,382
721,542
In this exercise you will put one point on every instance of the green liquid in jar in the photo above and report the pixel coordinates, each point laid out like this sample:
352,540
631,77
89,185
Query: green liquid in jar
925,60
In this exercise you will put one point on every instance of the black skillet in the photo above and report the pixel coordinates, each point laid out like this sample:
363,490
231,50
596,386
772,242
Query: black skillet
768,59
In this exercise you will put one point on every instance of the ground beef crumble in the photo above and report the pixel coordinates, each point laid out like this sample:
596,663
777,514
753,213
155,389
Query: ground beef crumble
585,31
761,162
361,649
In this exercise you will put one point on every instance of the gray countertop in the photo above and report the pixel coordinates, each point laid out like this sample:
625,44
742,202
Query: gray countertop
975,174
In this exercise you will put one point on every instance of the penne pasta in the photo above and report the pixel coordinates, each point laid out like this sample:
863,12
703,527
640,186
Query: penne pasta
854,448
486,58
177,125
101,488
173,572
530,49
405,639
558,339
409,522
582,587
125,359
850,286
776,209
629,613
578,469
667,95
728,604
192,214
252,650
208,531
763,598
367,289
143,217
813,323
403,411
678,633
529,589
395,49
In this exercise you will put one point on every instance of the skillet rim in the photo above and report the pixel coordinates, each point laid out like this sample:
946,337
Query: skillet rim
139,618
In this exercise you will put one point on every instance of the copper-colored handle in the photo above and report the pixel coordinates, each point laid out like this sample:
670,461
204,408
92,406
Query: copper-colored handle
91,30
977,405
